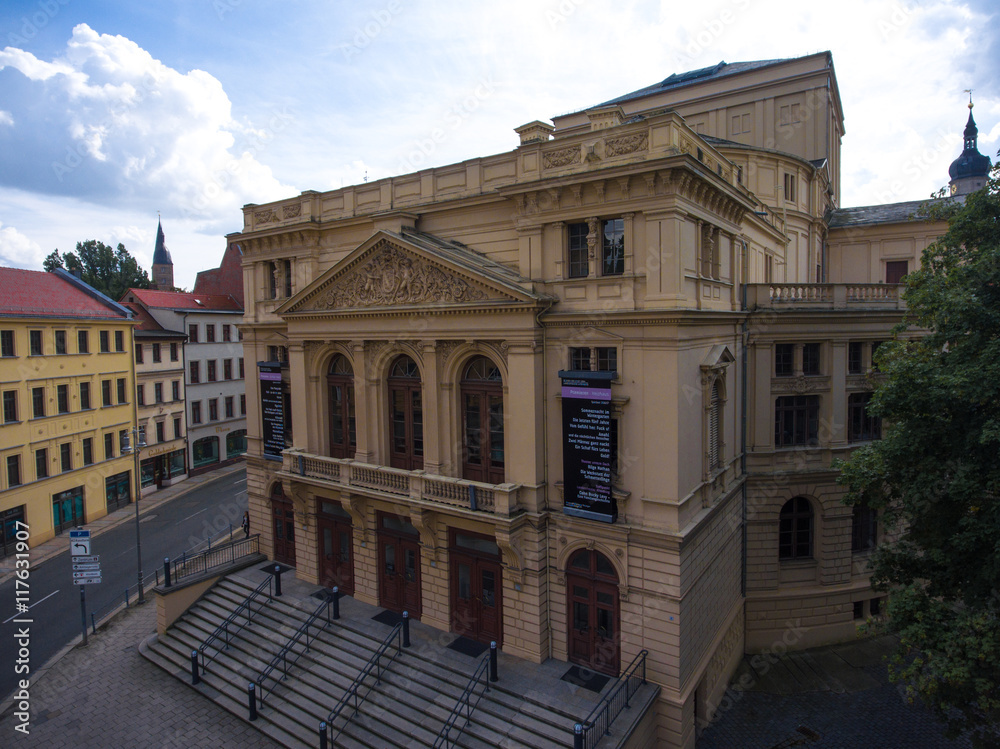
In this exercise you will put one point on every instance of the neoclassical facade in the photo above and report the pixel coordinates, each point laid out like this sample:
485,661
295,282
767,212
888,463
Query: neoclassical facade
410,342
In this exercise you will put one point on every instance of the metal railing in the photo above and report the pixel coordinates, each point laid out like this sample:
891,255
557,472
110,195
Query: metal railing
203,561
224,631
465,705
587,733
283,655
375,662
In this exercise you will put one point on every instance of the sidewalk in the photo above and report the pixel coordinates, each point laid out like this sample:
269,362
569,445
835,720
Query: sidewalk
45,551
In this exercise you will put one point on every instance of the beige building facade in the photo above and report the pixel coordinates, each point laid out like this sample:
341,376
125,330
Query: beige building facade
412,345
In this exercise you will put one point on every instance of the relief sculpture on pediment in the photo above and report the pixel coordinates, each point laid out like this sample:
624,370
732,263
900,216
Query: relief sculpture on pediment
393,277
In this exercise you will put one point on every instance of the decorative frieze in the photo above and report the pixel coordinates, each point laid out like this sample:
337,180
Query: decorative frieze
561,157
626,144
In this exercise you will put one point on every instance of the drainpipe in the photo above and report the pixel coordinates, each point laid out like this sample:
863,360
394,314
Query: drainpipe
745,335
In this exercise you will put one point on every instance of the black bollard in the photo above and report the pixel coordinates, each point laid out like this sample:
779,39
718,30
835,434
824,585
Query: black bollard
336,602
277,580
166,572
195,679
252,701
578,736
406,629
322,736
493,661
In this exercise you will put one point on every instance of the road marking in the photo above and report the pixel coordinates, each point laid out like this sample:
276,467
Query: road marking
32,605
197,513
241,481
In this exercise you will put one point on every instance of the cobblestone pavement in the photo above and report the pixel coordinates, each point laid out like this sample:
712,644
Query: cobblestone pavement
839,696
107,695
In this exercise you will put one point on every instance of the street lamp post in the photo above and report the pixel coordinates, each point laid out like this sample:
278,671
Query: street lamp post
138,442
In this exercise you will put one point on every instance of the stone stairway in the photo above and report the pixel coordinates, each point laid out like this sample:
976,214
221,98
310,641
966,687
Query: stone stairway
529,707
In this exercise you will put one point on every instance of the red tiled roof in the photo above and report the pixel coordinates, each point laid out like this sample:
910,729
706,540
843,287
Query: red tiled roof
145,321
39,294
185,300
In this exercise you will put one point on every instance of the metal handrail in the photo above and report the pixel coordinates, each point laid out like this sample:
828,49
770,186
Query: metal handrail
282,655
352,691
203,561
480,674
223,629
591,730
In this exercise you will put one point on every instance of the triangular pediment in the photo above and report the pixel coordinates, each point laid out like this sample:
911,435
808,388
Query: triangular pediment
391,270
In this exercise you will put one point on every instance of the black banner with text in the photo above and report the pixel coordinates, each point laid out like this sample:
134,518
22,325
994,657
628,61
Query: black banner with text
272,415
587,448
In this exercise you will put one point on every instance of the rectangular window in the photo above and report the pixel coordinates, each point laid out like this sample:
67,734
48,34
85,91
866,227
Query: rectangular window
173,352
62,398
243,405
140,394
60,341
855,357
160,436
195,370
242,375
227,332
230,412
896,270
123,440
88,451
213,409
796,420
288,277
210,332
862,426
613,247
13,470
789,188
41,463
875,347
9,406
579,359
864,528
227,369
810,359
105,342
35,342
119,341
607,358
84,396
177,428
138,353
784,359
6,343
196,412
82,342
66,457
156,353
579,266
105,392
193,332
211,370
109,446
122,396
175,390
158,392
38,402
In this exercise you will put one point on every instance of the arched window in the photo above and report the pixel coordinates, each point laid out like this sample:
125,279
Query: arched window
482,422
406,415
592,589
795,529
343,433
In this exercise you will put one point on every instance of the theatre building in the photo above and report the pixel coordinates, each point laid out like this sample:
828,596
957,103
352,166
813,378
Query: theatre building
569,397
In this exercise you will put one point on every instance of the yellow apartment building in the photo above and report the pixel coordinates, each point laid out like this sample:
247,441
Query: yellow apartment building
67,384
583,397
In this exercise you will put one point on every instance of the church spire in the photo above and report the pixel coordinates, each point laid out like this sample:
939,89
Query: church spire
163,266
970,170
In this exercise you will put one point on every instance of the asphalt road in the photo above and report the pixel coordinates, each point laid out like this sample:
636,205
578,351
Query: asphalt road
173,527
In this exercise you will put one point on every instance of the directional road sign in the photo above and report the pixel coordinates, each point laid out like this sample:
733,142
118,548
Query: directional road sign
87,581
89,566
86,573
96,558
79,546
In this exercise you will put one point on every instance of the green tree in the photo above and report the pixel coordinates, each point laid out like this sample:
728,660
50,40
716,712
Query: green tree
110,271
935,475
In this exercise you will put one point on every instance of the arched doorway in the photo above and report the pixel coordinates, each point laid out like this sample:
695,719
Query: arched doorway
335,533
406,415
476,586
482,422
283,526
340,384
399,565
594,616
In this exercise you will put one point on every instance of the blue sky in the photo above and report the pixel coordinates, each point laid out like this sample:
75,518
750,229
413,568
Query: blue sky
111,112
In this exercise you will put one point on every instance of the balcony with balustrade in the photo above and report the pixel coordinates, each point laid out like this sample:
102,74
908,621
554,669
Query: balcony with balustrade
500,501
825,296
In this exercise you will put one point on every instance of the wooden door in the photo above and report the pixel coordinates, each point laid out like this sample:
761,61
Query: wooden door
340,382
476,597
482,422
594,637
336,564
283,524
406,416
399,574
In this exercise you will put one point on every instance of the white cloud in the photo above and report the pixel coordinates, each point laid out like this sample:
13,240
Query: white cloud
6,118
18,250
118,125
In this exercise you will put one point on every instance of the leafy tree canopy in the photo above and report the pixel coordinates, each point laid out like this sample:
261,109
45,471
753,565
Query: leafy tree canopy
935,475
110,271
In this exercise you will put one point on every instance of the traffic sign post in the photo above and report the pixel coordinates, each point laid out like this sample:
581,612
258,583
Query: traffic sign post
86,569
